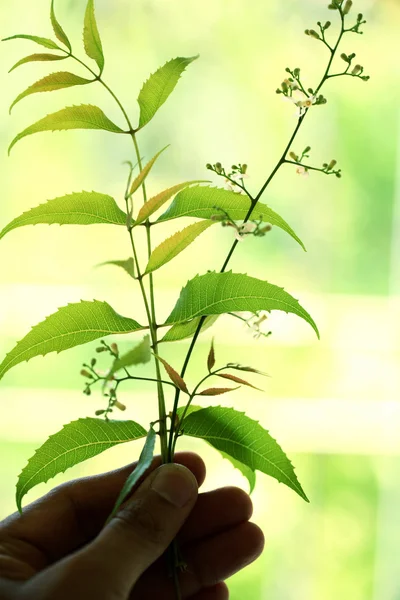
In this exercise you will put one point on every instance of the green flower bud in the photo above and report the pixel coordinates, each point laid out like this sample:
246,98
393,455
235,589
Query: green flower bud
327,25
209,166
244,169
357,70
85,373
360,17
347,7
93,362
344,57
314,34
284,86
87,391
100,349
294,156
98,413
307,32
278,91
296,71
218,167
307,149
114,348
332,164
120,406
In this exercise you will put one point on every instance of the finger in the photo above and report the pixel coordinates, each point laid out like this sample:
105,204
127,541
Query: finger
217,592
216,511
133,540
73,514
209,562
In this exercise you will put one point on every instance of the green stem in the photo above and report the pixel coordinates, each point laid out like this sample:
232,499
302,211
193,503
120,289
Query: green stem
309,168
253,203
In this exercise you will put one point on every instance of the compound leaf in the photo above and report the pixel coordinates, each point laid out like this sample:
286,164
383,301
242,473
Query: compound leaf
159,86
84,116
145,460
203,202
70,326
128,265
76,442
91,37
152,205
175,244
183,331
243,439
218,293
34,38
83,208
37,58
51,83
58,30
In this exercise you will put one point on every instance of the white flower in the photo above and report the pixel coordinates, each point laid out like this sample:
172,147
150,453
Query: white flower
229,186
245,230
303,171
301,101
239,176
101,373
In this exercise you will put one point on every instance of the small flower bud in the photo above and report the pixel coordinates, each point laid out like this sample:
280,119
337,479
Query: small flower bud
347,7
327,25
332,165
296,72
120,406
244,169
294,156
279,91
87,391
266,229
100,349
98,413
357,70
360,17
314,34
85,373
284,86
218,167
338,175
217,218
93,362
209,166
307,149
344,57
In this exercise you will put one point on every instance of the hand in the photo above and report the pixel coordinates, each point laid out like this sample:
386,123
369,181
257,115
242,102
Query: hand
59,549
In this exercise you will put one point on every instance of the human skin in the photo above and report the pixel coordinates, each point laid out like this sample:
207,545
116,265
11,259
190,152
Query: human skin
60,549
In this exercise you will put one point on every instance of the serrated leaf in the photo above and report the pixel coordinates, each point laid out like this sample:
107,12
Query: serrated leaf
238,380
218,293
244,469
51,83
76,442
174,245
34,38
152,205
84,116
83,208
144,172
173,375
159,86
217,391
211,357
70,326
127,265
140,354
183,331
91,37
201,202
37,58
145,460
245,440
58,30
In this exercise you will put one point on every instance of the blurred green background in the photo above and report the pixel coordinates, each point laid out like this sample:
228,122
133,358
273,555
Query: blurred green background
333,405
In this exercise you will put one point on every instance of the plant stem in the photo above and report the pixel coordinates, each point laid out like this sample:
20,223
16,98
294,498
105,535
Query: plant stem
150,308
253,203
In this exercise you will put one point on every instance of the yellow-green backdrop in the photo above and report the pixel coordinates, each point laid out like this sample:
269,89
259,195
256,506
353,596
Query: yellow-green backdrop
334,404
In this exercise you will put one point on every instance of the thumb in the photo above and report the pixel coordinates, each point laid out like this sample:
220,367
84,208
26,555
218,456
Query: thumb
139,534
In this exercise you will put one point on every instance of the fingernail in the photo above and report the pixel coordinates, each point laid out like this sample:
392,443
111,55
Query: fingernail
175,483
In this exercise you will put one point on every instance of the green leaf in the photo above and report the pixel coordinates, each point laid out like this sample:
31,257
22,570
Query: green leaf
145,460
152,205
201,202
37,58
244,469
140,354
83,208
34,38
182,331
159,86
243,439
175,244
75,443
144,172
127,265
51,83
91,37
84,116
70,326
58,30
219,293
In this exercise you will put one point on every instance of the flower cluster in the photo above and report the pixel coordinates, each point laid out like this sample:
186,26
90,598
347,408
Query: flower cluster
234,179
304,170
257,228
294,91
